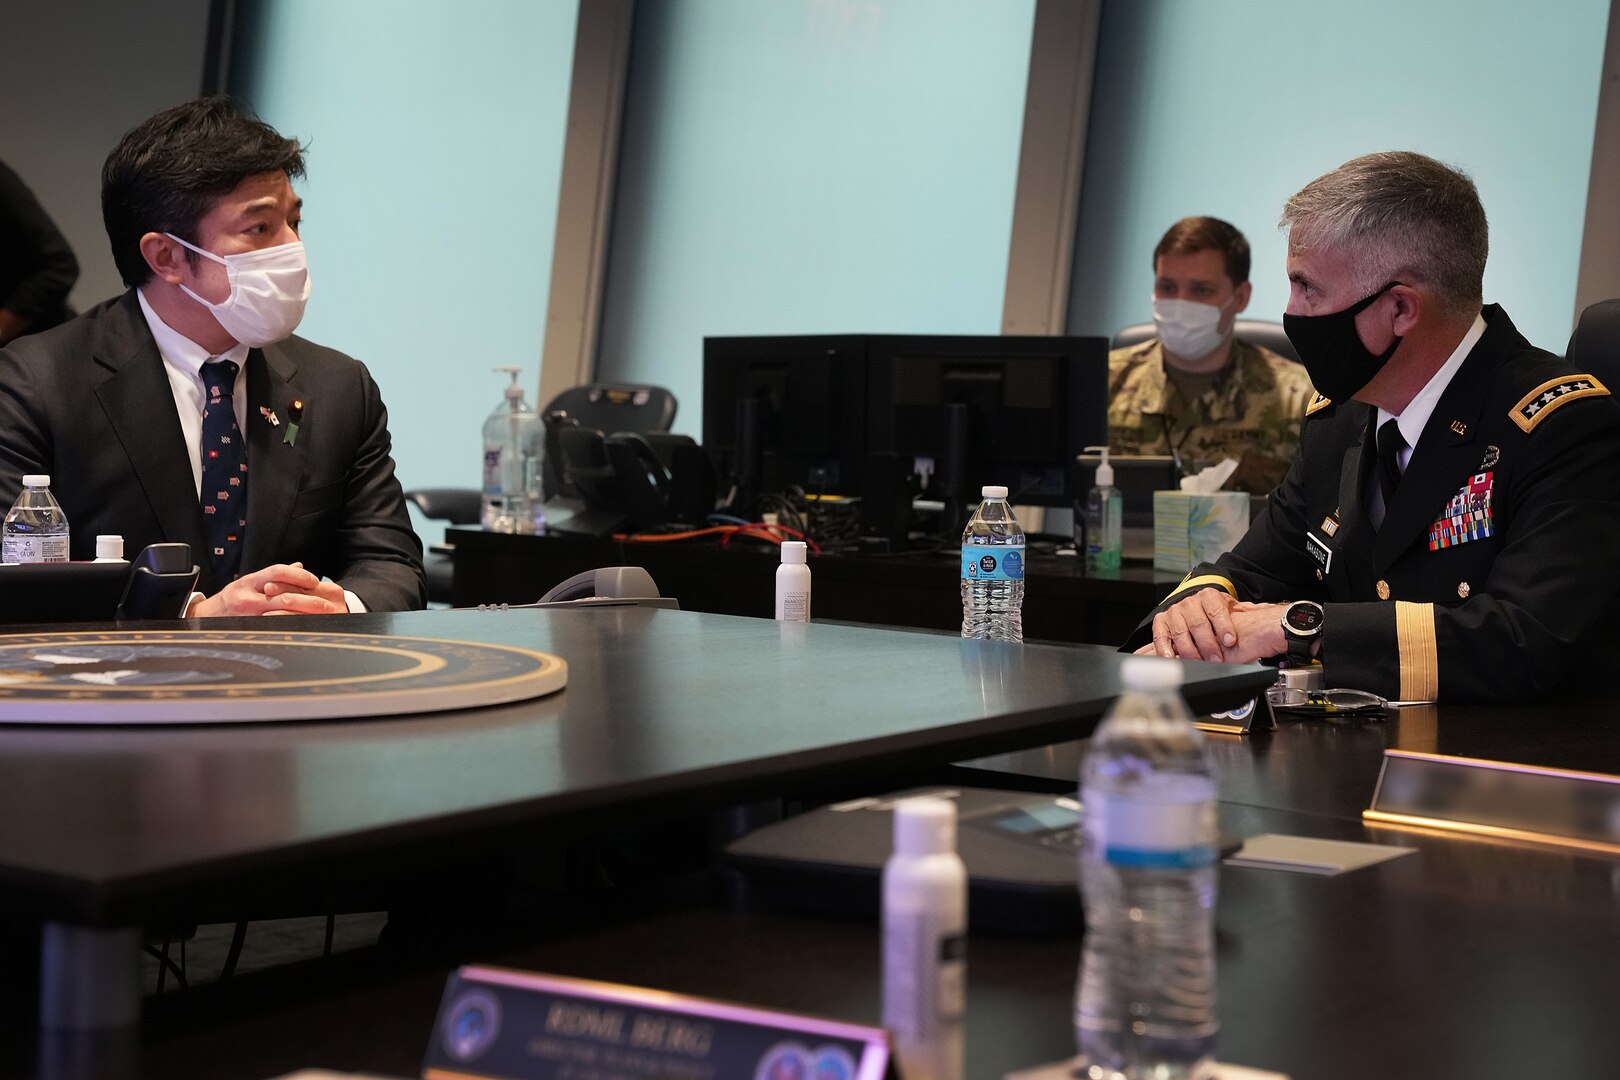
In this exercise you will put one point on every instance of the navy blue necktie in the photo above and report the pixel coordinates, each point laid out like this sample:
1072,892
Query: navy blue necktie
224,472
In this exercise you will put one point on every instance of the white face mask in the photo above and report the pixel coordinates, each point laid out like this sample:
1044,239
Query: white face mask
269,289
1189,329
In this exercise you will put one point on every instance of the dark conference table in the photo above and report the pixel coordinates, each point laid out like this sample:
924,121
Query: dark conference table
1061,601
1472,958
665,712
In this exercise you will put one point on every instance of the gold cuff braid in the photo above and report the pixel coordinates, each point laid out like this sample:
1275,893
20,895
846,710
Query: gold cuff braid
1418,650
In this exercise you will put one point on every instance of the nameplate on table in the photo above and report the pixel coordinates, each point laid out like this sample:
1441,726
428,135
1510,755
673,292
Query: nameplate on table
1498,799
1252,716
498,1024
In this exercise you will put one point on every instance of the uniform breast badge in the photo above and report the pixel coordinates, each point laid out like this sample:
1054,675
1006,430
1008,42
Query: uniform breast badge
1467,516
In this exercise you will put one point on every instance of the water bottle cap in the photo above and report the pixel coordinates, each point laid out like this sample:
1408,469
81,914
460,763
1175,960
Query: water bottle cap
1150,674
37,480
925,826
993,491
109,546
795,551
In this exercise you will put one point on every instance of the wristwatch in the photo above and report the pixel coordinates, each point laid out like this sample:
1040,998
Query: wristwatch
1302,625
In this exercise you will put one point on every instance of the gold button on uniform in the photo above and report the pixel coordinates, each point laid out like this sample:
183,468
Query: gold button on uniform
1383,590
1463,589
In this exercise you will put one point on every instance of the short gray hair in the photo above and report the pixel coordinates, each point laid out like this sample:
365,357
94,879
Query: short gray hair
1401,216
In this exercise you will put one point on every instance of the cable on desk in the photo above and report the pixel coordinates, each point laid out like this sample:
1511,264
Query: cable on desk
757,530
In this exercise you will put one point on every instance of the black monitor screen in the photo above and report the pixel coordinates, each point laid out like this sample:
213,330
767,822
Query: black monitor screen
1014,411
805,399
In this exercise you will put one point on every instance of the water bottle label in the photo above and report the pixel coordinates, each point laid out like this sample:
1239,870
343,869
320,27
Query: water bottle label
34,549
1177,833
999,563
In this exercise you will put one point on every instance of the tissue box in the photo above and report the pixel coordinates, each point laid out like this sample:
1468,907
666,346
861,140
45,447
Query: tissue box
1191,529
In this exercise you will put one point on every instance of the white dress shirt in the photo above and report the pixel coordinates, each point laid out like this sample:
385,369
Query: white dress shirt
1416,415
183,360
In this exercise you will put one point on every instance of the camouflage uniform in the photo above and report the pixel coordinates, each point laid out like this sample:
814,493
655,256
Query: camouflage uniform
1252,413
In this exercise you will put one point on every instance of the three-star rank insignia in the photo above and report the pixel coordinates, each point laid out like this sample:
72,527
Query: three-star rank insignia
1553,394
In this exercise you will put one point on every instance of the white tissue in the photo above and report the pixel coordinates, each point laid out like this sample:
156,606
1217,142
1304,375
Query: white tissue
1210,480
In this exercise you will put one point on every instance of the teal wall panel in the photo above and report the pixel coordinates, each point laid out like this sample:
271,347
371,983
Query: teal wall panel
811,166
1228,109
435,136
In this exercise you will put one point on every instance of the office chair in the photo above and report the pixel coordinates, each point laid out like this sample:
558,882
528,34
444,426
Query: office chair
1268,335
1594,347
607,407
456,506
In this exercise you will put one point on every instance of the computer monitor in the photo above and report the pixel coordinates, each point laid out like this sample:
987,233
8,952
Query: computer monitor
781,411
1014,411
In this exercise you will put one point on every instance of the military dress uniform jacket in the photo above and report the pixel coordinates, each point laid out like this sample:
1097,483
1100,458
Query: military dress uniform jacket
1494,569
1252,413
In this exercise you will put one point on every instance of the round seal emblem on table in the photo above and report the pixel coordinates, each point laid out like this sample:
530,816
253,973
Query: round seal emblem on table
237,676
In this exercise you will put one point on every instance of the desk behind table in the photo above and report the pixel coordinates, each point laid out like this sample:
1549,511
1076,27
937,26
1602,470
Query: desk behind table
1061,601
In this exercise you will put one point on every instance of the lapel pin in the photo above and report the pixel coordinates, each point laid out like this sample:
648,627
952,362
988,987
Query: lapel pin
295,413
269,414
1459,427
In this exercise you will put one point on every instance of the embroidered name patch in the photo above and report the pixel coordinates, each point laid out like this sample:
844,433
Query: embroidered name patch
1467,516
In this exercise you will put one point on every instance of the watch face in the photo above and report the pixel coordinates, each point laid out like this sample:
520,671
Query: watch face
1304,618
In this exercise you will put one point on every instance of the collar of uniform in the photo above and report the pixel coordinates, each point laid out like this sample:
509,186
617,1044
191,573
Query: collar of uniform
180,352
1245,372
1417,413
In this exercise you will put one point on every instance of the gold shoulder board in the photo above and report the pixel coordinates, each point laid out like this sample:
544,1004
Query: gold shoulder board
1540,403
1317,402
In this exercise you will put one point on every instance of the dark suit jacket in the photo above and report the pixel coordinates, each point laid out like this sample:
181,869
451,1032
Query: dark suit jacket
89,403
1415,612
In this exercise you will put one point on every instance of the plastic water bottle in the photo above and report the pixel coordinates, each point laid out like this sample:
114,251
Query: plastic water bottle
514,440
925,940
36,530
1145,1005
993,571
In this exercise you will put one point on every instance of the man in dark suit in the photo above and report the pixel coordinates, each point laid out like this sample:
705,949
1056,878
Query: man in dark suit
1445,530
185,410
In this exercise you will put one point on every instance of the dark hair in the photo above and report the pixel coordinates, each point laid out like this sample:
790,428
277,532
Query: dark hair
1402,216
165,173
1194,234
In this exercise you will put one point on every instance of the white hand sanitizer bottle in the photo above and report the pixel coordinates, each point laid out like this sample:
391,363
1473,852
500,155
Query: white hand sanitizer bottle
793,583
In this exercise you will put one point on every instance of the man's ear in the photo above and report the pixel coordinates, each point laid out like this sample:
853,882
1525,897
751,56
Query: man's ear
166,257
1409,305
1241,294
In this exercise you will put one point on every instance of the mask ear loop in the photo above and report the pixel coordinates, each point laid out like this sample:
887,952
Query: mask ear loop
1366,302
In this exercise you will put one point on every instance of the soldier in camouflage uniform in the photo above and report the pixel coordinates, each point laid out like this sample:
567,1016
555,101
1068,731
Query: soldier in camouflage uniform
1195,390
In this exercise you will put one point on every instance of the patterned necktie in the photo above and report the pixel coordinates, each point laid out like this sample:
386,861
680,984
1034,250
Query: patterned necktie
1390,444
224,471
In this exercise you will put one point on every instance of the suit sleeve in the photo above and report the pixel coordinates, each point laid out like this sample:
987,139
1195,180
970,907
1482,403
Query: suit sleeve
378,551
1550,589
25,443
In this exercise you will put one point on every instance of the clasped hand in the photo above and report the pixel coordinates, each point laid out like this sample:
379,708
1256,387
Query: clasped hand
282,589
1212,625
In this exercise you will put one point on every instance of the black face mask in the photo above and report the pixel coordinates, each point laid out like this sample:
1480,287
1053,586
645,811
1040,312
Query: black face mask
1328,345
